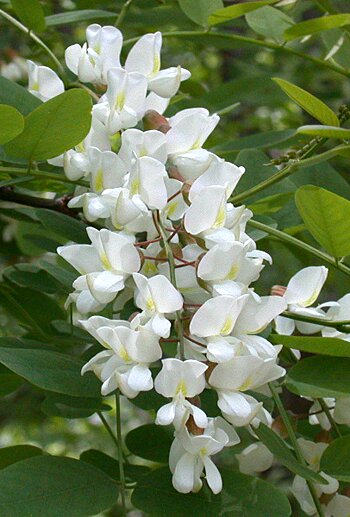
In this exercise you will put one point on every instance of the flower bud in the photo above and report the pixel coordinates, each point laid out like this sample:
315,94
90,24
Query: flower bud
278,290
154,120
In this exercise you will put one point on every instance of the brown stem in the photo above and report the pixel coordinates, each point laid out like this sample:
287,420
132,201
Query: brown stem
58,204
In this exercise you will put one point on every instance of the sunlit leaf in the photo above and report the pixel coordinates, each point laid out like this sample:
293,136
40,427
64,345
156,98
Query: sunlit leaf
315,25
235,11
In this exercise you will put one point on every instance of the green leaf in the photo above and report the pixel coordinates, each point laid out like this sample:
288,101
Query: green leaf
335,460
15,95
269,22
111,467
51,371
54,127
33,309
29,275
314,345
327,217
311,104
325,131
8,381
256,141
200,10
320,376
270,204
241,496
10,455
51,486
279,448
317,25
71,407
151,442
63,225
61,274
235,11
30,13
78,16
11,123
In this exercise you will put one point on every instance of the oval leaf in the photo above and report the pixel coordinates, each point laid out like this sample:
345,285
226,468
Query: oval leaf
314,345
10,455
51,371
15,95
200,10
311,104
235,11
241,496
151,442
320,377
11,123
335,460
54,487
325,131
269,22
327,217
54,127
31,13
317,25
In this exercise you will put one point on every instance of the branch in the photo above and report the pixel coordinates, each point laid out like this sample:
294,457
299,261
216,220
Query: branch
57,205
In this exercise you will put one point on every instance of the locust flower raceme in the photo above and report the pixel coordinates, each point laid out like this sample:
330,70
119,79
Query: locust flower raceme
174,263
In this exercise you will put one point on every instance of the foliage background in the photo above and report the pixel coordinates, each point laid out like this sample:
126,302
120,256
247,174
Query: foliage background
258,128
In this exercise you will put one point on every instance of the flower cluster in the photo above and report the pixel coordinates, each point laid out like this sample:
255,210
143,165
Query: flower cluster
166,238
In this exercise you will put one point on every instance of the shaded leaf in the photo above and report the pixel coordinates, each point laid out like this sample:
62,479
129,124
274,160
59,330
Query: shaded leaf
269,22
10,455
320,376
325,131
17,96
30,13
111,467
317,25
151,442
200,10
51,486
335,460
78,16
235,11
314,345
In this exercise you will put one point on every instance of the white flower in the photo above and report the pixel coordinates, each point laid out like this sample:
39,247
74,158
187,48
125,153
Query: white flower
92,61
339,506
125,362
220,173
180,380
123,105
189,130
147,180
340,311
144,57
44,83
207,212
232,378
312,453
156,296
255,458
190,455
302,291
103,265
136,143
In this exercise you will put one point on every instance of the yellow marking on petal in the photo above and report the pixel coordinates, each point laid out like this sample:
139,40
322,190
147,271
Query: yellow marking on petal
227,326
220,218
143,152
119,103
35,86
203,451
134,187
233,272
246,385
181,388
124,354
97,48
197,144
105,262
310,300
98,183
150,304
156,63
171,208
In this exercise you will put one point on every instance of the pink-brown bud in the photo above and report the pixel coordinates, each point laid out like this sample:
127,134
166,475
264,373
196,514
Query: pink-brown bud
278,290
154,120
